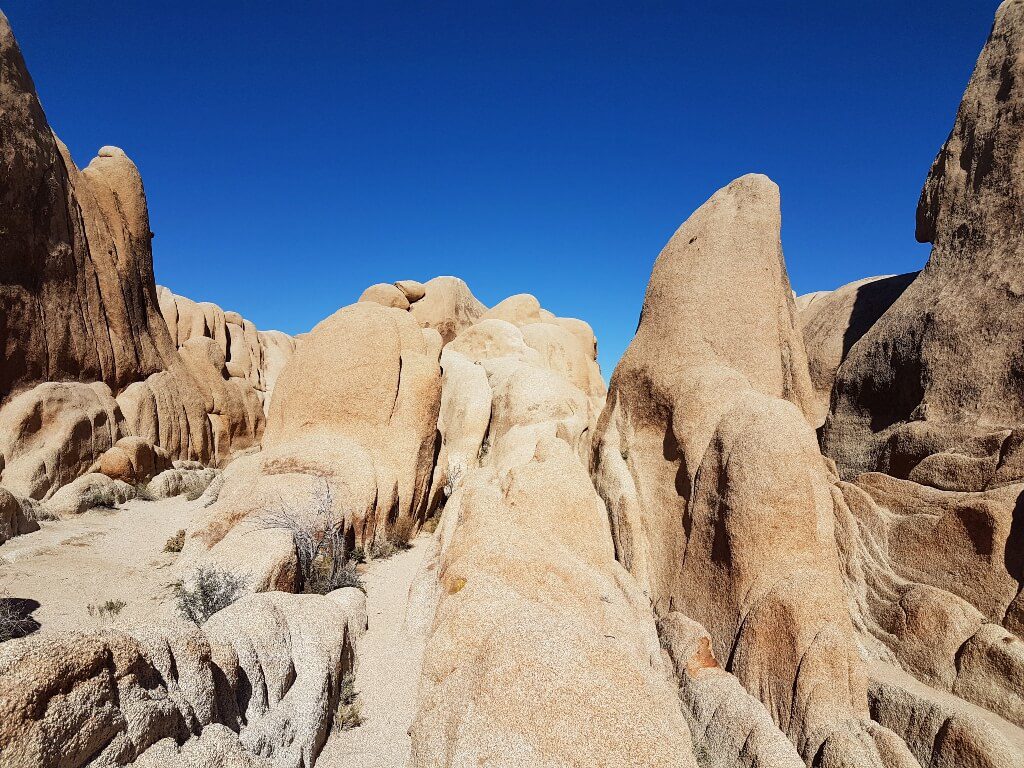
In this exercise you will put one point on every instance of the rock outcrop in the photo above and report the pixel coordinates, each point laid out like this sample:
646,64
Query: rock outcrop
259,682
356,407
939,374
523,548
833,321
76,266
252,358
719,500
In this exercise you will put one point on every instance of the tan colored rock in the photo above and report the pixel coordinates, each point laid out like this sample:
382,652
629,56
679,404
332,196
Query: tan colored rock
90,491
525,552
948,353
180,481
729,726
447,306
707,423
357,407
268,667
133,460
252,357
941,729
51,434
386,295
16,516
462,422
519,310
833,321
76,270
413,290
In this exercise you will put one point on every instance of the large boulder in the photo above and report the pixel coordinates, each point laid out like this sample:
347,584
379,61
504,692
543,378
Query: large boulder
54,432
569,670
76,267
942,368
720,502
355,408
447,306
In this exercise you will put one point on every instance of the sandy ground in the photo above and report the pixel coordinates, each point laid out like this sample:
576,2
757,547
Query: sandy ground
103,554
388,670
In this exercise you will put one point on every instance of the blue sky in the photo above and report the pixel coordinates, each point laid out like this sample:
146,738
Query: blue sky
295,153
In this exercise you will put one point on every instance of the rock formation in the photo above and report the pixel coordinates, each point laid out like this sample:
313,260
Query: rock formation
523,548
833,321
789,533
718,497
939,373
76,268
91,353
253,358
260,679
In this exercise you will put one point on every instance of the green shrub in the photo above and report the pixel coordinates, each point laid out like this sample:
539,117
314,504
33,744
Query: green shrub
210,590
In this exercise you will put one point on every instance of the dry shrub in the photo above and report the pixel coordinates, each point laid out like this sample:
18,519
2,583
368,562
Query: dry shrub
176,543
319,540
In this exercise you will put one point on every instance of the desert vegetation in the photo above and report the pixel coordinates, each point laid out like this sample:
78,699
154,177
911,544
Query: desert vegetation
206,591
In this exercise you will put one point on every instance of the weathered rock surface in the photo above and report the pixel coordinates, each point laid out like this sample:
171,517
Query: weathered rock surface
83,323
76,268
569,671
52,433
707,425
16,516
252,358
357,407
259,680
833,321
447,306
941,368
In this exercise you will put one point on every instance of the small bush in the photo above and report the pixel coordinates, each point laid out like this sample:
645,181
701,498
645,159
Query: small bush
453,479
485,448
318,537
211,590
349,714
176,543
431,523
357,555
106,610
348,576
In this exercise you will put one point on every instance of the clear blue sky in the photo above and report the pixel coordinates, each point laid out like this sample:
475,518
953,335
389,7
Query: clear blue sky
294,153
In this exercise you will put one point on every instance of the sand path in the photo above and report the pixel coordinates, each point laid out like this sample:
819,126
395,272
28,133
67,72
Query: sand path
388,670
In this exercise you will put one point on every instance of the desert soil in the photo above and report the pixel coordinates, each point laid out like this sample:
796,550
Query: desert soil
388,670
104,554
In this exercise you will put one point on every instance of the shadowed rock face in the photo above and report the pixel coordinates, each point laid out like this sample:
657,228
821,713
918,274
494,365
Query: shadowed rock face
941,370
76,268
833,321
